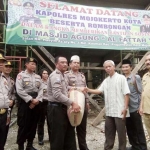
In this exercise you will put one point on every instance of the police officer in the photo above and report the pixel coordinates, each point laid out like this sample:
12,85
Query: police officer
7,69
145,99
30,92
146,26
76,79
29,14
43,106
62,134
4,105
2,60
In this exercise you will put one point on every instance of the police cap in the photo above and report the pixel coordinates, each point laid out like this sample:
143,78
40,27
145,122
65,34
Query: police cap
28,4
146,16
2,57
31,59
8,63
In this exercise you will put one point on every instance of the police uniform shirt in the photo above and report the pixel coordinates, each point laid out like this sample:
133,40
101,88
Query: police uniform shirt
145,28
30,19
57,88
146,93
11,86
76,80
44,85
26,83
4,100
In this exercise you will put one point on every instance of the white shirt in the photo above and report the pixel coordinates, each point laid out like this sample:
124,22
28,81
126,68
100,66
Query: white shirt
114,89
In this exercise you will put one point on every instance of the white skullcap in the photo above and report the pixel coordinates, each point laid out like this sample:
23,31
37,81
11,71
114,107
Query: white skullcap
75,57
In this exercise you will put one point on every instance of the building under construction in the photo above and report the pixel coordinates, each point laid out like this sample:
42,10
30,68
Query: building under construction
91,59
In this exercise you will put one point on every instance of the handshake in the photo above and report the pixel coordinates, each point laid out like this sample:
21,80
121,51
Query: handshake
82,89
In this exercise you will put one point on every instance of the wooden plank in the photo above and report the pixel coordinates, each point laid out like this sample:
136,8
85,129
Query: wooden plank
48,54
143,67
94,103
140,64
99,118
41,58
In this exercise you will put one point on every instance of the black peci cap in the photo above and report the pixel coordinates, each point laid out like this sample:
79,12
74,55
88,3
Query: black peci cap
126,61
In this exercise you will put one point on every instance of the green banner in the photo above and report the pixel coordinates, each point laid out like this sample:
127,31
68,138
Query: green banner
52,23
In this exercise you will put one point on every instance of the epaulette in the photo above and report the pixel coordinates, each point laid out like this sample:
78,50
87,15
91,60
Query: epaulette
4,77
66,72
37,75
57,71
82,73
11,78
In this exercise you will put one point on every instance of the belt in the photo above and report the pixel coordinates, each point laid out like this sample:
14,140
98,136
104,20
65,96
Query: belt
45,100
33,94
57,104
2,111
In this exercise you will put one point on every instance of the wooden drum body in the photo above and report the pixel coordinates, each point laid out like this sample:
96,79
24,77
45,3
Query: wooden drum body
78,97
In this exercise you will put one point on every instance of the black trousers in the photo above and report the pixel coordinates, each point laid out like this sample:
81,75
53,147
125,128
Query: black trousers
113,124
7,127
27,120
81,132
135,132
42,117
62,134
3,130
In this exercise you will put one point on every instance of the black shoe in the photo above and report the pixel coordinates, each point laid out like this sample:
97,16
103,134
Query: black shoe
20,147
30,148
128,148
41,142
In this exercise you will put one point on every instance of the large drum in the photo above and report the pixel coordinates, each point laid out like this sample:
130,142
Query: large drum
78,97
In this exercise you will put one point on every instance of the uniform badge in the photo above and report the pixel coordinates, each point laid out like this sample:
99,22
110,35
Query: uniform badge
131,83
44,90
37,84
5,83
19,77
57,80
8,63
31,59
